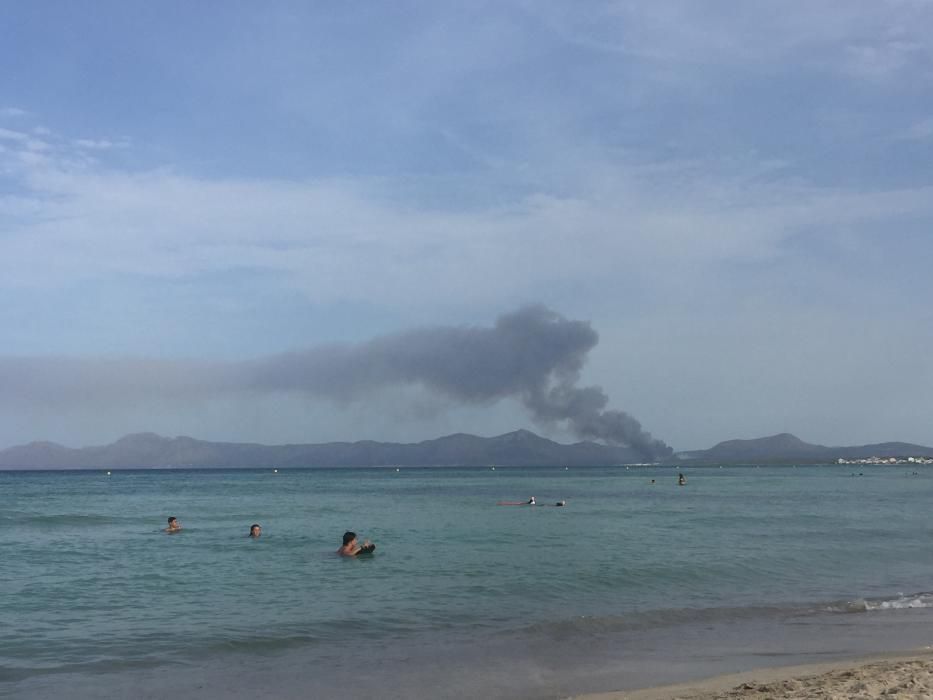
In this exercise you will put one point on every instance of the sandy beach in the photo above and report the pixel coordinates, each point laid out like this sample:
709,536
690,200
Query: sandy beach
888,676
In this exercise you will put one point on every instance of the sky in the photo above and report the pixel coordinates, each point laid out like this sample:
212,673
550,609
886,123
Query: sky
737,197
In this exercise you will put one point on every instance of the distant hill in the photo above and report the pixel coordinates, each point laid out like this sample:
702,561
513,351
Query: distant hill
785,448
148,450
518,448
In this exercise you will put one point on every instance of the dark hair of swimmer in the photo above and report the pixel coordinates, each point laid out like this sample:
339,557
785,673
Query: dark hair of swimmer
171,519
253,528
348,537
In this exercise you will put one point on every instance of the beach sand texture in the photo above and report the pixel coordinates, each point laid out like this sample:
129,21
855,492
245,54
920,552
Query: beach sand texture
905,677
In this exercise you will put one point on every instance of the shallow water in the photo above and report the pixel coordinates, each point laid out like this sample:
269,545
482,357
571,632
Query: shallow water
92,586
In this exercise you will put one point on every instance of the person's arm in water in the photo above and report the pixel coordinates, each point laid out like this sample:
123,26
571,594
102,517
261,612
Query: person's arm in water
350,548
365,548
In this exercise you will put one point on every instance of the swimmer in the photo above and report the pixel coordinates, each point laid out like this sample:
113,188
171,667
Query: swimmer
173,525
531,501
652,481
560,504
350,548
255,531
681,479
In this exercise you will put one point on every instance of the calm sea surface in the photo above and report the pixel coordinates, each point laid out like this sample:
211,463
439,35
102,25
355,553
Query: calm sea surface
630,583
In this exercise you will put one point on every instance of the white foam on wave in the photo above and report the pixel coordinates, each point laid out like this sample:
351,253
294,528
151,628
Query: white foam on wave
903,602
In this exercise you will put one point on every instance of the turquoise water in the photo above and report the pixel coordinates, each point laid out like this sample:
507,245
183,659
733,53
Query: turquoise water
92,587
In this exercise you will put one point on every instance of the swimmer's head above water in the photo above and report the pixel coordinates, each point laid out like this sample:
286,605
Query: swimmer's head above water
255,530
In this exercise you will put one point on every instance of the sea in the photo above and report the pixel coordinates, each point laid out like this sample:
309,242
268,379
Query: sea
637,581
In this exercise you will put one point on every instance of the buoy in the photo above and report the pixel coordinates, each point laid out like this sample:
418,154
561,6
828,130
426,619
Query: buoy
493,468
108,473
397,469
275,471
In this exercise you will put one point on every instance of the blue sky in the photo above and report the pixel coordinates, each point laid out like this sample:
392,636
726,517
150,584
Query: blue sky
738,196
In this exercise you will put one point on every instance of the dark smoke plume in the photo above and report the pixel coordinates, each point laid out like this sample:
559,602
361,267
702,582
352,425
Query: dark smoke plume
533,354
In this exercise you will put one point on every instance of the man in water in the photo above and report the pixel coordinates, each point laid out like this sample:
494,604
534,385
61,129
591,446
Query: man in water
681,479
531,501
350,548
255,531
561,504
173,525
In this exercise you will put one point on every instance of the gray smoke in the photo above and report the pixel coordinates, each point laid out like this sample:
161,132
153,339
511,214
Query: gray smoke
533,354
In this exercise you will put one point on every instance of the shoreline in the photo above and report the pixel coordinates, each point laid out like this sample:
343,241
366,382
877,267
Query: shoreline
898,674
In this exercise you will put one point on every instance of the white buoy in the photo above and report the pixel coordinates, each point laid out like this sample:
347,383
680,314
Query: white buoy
108,473
397,469
275,471
493,468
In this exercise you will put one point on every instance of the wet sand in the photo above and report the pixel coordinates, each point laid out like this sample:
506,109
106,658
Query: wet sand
884,676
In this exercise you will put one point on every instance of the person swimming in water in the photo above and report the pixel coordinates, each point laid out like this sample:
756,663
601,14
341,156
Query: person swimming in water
681,480
255,531
351,549
531,501
173,525
560,504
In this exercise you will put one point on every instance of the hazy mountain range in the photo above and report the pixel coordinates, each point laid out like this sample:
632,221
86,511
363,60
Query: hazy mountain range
519,448
785,448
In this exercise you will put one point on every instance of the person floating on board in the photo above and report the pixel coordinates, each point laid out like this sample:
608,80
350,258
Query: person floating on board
173,525
255,531
681,479
351,549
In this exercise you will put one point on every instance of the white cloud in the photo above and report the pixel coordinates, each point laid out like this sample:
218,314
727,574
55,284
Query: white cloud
98,144
10,135
866,40
12,112
918,131
353,240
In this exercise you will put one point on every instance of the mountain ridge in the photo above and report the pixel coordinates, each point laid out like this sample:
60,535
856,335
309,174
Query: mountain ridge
786,448
149,450
516,448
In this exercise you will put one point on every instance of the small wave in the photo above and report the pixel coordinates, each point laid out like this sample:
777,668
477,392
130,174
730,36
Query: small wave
587,625
901,602
917,600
